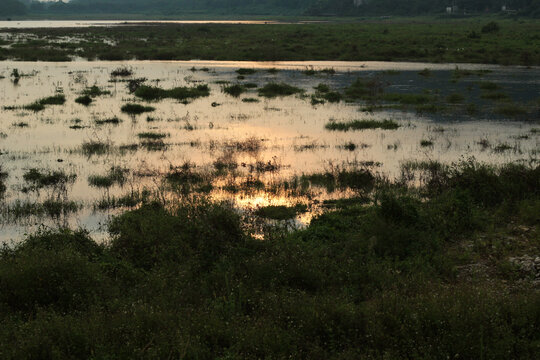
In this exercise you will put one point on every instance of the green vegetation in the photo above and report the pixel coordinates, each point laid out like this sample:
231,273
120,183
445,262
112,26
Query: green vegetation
180,93
95,91
136,109
122,72
53,208
272,90
3,177
362,125
323,93
116,175
114,120
234,90
244,71
40,105
95,147
39,179
151,135
84,100
280,212
428,40
511,110
425,272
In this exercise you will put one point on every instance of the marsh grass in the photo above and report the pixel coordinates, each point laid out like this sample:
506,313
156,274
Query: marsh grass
323,93
150,93
115,176
246,71
122,71
84,100
136,109
95,91
113,120
95,147
130,200
362,125
52,208
234,90
152,135
272,90
511,110
351,277
280,212
494,95
40,105
3,176
39,179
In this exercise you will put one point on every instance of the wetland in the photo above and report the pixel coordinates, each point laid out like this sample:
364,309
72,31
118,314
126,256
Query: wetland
280,198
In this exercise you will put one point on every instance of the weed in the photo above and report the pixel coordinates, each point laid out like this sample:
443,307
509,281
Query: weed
362,125
272,90
136,109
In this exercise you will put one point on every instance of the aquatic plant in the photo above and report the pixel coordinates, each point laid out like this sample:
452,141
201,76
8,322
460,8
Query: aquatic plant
84,100
362,125
272,90
136,109
122,71
234,90
280,212
245,71
179,93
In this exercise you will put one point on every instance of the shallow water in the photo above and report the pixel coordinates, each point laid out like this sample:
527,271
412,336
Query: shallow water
290,131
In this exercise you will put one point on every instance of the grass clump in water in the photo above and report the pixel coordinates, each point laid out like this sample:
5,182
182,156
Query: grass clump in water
362,125
39,179
234,90
511,110
3,177
116,175
95,91
151,135
114,121
39,105
150,93
272,90
136,109
95,147
245,71
280,212
123,71
84,100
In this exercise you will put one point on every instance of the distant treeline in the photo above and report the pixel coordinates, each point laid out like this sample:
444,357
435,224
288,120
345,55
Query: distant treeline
270,7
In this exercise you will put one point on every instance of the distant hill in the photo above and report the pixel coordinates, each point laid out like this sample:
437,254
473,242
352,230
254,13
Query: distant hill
11,7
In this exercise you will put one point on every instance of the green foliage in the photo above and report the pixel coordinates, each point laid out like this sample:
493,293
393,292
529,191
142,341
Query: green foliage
272,90
40,179
387,274
427,40
84,100
136,109
180,93
280,212
362,125
234,90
